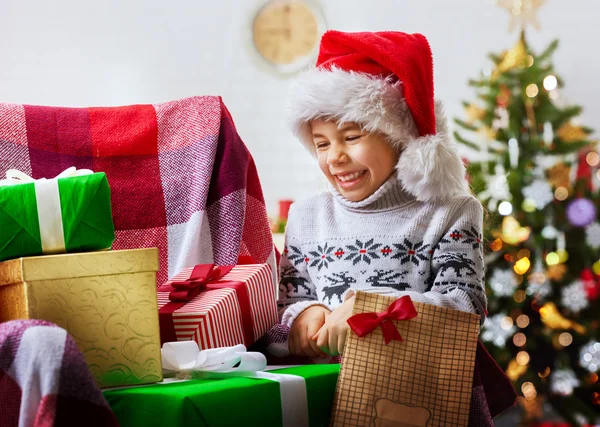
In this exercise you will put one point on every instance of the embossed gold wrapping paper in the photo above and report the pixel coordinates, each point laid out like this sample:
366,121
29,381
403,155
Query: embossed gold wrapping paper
105,300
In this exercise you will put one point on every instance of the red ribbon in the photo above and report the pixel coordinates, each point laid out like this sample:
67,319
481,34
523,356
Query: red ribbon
365,323
205,277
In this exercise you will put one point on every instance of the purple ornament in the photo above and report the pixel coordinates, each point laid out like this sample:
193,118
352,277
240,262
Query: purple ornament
581,212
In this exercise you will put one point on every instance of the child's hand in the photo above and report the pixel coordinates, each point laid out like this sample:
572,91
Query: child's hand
331,338
303,328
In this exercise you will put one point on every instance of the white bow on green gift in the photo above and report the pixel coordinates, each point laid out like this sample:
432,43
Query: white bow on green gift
185,360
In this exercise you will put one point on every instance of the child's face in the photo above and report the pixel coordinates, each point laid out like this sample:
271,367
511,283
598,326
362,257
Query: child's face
356,162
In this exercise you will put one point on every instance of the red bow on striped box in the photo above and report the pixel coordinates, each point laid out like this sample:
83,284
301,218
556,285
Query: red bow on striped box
218,306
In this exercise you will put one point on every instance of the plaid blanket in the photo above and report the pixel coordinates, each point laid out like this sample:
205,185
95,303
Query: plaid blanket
181,178
44,380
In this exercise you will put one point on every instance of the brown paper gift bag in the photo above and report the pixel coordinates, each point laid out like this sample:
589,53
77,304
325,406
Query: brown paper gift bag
423,377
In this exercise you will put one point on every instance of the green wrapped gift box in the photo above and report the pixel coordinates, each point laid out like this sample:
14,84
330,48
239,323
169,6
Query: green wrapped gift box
223,402
48,216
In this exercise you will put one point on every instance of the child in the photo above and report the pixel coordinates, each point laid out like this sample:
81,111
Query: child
398,218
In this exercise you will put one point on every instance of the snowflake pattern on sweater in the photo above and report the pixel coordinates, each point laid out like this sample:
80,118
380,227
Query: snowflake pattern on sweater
389,243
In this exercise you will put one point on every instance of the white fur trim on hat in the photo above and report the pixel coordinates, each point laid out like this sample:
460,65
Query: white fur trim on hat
430,166
377,104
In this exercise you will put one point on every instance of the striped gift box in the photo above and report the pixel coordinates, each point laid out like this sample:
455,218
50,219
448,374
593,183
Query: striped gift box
214,317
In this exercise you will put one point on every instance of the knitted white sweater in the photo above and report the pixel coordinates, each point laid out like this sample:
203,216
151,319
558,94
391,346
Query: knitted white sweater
388,243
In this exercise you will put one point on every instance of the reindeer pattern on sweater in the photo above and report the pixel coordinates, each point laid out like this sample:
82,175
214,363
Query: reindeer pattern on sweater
389,243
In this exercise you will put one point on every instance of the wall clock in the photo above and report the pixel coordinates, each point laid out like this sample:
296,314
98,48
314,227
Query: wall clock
286,33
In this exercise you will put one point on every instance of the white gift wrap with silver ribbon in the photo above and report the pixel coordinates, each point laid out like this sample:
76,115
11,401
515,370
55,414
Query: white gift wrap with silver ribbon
48,205
185,359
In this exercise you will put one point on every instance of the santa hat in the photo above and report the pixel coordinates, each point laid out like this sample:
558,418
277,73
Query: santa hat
384,82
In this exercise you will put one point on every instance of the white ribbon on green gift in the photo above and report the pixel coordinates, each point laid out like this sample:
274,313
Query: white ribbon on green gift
184,359
48,205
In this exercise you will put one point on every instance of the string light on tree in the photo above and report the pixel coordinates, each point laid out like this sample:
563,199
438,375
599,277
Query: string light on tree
589,356
505,208
550,82
592,159
532,90
522,266
565,339
561,193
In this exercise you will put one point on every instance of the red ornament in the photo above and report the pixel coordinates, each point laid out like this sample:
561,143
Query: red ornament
590,283
584,170
503,97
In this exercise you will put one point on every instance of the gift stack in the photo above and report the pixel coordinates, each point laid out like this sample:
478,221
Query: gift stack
184,187
57,266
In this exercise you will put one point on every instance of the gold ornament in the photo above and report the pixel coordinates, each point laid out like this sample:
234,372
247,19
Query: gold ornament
511,59
512,232
487,133
570,133
474,113
532,407
515,371
522,12
556,272
554,320
559,175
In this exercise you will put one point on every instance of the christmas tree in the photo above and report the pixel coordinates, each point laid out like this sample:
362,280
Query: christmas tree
535,171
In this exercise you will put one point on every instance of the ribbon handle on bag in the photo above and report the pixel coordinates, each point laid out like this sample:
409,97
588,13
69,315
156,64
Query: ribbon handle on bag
365,323
201,275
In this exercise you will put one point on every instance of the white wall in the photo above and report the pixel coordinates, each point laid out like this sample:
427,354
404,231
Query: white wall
114,52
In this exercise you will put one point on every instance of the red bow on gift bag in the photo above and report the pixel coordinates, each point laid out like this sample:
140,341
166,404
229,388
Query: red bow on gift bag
365,323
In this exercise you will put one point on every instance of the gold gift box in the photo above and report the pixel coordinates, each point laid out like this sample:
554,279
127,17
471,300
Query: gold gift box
105,300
